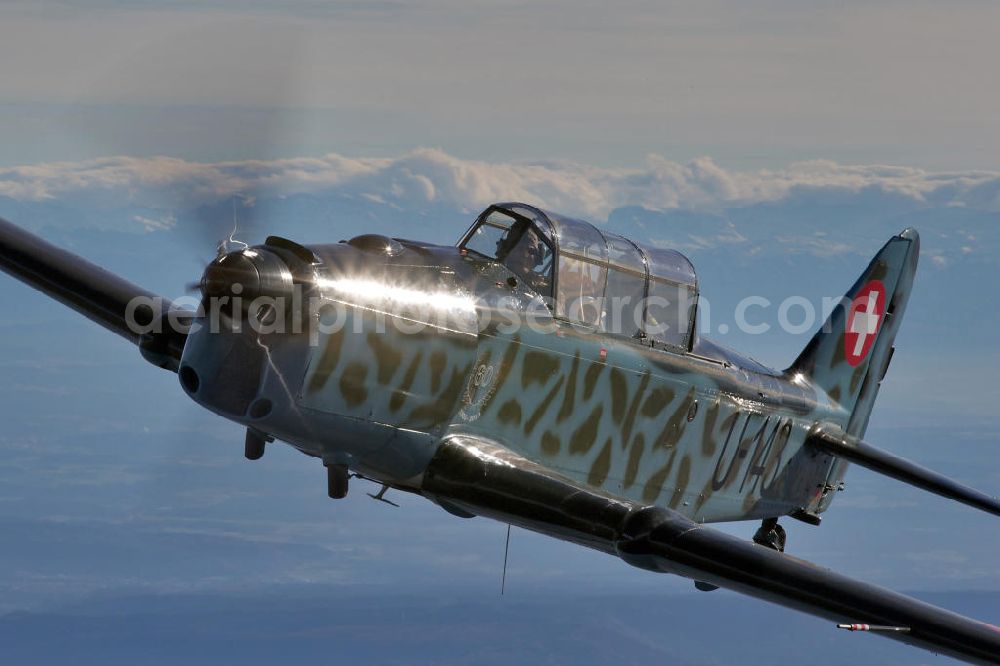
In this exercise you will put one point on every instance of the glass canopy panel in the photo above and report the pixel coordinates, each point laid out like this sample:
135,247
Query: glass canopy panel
670,313
579,238
582,272
672,297
581,290
623,298
515,242
670,265
623,303
536,216
623,253
485,239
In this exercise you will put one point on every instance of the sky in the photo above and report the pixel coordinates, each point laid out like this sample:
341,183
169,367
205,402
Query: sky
749,84
777,143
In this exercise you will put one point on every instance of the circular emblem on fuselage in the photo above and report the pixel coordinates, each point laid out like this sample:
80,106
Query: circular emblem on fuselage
864,321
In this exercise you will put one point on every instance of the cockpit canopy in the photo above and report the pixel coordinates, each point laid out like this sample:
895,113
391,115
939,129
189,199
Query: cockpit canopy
592,277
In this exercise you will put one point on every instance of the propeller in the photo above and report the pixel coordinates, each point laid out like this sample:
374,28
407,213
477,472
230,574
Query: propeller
210,225
230,219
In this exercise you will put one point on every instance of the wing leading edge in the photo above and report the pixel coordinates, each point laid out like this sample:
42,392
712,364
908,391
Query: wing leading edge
99,295
479,477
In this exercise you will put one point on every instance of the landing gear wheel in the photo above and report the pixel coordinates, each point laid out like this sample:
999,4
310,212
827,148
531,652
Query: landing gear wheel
779,541
771,534
337,477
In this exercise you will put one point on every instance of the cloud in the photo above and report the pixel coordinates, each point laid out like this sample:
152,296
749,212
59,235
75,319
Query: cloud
151,224
430,178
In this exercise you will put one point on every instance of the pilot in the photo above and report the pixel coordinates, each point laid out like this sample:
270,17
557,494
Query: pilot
524,252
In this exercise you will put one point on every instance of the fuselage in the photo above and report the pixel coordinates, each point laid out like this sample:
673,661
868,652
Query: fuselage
427,341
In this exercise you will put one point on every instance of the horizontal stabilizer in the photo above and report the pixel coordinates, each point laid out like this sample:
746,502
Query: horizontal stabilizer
864,454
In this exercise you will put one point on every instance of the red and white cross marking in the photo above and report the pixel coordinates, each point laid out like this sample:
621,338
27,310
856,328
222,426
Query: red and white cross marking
864,321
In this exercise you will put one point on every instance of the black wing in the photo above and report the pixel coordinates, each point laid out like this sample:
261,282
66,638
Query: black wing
469,475
101,296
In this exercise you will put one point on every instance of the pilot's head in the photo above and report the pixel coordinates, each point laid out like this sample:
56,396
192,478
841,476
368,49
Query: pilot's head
528,254
521,249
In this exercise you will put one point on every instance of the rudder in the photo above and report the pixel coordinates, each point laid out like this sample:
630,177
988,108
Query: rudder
849,355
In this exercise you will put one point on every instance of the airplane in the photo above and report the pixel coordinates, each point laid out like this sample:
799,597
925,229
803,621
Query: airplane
550,375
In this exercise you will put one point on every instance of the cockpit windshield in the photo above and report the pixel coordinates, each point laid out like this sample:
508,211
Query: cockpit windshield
516,243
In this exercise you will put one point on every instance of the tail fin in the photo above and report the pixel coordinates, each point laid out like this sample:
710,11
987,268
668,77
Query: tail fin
849,355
